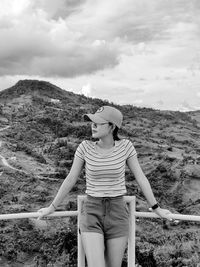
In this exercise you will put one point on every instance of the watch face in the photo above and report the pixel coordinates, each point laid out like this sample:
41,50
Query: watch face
155,206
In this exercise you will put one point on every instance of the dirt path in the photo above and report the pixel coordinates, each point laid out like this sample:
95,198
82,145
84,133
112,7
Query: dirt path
5,128
5,163
3,159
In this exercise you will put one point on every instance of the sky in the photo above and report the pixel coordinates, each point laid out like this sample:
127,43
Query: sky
144,53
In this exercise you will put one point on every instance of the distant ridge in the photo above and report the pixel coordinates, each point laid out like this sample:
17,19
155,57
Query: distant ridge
34,87
46,90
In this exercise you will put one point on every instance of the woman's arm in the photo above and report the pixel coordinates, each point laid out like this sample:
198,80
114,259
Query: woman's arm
69,181
142,180
144,184
66,186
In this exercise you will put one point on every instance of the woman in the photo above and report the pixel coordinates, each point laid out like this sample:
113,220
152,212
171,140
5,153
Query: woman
104,216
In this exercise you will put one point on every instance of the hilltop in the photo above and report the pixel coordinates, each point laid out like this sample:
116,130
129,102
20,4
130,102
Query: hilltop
33,87
43,126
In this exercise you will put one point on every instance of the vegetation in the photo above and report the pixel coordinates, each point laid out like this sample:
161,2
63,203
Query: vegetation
40,143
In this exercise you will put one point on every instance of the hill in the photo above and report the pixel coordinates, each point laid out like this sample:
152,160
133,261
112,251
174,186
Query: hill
33,87
40,127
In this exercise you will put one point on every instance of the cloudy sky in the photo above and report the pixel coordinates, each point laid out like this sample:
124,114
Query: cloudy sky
140,52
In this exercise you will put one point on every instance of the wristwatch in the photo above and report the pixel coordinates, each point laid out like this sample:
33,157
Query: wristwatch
154,207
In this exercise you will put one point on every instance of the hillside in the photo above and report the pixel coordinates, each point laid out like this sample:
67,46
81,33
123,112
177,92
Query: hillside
40,127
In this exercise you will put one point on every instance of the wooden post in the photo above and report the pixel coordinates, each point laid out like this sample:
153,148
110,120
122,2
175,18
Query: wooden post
131,239
81,253
133,215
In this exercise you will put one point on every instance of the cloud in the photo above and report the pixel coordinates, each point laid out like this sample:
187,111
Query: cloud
125,90
59,8
33,43
121,95
144,21
70,38
160,102
13,7
137,102
87,90
186,106
130,52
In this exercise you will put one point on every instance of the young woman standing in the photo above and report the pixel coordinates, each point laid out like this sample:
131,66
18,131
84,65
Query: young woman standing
104,222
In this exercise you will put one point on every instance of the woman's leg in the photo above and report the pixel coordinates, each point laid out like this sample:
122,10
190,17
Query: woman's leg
93,244
115,248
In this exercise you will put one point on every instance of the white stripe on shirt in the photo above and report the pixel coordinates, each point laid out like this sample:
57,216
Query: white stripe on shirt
105,172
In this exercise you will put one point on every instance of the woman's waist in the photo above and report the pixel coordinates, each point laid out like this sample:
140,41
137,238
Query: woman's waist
104,198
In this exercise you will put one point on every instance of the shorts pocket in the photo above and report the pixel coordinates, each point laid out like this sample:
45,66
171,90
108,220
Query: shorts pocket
88,206
119,210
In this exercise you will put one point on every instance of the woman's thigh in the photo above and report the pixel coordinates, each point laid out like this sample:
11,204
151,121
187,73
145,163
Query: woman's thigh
115,248
93,244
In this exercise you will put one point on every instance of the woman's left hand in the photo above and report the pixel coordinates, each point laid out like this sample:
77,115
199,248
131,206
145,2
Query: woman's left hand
163,213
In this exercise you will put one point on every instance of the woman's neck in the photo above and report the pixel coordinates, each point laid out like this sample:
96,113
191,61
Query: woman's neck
106,143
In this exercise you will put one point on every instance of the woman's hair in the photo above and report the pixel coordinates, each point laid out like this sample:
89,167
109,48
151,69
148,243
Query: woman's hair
115,132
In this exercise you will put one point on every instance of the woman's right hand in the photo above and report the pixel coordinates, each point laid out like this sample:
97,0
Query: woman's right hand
45,211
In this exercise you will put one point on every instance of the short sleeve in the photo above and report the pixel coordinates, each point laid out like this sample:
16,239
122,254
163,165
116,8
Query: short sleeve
130,150
80,151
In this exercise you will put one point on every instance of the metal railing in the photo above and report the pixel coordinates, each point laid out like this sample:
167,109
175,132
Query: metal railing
133,215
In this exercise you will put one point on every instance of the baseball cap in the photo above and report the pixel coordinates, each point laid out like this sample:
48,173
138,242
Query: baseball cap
106,114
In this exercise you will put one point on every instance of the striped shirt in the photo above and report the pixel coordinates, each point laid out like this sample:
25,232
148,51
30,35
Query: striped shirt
105,169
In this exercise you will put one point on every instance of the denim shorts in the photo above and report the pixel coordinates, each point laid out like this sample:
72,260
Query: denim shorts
105,215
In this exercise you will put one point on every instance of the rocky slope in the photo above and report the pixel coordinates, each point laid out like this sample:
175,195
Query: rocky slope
40,128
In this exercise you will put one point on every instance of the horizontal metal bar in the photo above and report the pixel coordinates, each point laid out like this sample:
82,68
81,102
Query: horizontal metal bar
128,199
11,216
36,215
183,217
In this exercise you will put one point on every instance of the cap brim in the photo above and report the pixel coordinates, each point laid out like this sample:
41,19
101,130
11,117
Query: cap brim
93,117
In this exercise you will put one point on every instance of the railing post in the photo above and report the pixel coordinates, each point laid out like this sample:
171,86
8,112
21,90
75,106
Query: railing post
132,220
81,253
131,240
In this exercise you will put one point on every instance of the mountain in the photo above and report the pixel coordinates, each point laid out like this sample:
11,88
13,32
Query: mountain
40,127
33,87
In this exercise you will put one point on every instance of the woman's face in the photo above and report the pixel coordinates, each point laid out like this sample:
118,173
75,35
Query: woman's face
100,130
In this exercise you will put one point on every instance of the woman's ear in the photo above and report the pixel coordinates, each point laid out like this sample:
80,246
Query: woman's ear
113,127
